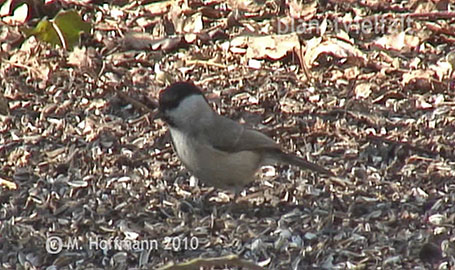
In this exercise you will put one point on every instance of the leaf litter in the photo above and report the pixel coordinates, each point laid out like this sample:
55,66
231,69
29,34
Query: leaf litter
80,161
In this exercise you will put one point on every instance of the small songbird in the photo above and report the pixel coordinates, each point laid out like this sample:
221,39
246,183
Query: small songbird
217,150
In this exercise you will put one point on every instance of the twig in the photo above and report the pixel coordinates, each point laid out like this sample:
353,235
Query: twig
137,104
134,102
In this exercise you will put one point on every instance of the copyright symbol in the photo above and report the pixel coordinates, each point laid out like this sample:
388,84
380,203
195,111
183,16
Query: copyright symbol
54,245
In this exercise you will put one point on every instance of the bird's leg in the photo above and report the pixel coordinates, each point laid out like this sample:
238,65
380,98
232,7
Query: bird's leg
236,196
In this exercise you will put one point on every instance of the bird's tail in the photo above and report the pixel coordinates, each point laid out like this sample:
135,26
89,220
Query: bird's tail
303,163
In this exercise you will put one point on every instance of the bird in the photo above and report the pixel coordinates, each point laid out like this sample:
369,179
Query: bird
217,150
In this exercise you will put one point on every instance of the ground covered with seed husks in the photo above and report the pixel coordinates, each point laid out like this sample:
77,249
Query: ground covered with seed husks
88,178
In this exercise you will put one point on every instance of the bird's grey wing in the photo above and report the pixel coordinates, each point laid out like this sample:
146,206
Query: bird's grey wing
230,136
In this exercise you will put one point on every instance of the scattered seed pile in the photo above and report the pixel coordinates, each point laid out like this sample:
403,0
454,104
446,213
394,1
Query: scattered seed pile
89,180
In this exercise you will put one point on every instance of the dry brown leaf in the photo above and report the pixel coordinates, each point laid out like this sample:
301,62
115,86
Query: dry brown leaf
335,47
247,6
193,24
7,184
425,6
273,47
418,80
139,41
266,47
158,8
422,104
362,90
9,37
167,44
442,69
351,72
299,10
81,58
143,41
19,14
399,42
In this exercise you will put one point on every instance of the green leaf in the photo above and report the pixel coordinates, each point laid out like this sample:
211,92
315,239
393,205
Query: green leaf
63,30
44,31
71,26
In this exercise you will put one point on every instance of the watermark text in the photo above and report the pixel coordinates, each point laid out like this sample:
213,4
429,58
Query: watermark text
55,244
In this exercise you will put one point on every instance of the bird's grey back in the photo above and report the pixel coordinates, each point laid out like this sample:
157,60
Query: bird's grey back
227,135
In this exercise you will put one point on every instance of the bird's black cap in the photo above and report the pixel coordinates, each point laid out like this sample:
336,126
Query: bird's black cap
171,96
